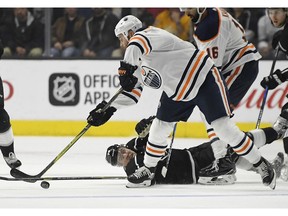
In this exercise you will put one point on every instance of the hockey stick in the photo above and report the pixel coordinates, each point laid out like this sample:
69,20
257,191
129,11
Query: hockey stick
30,178
266,91
55,178
165,168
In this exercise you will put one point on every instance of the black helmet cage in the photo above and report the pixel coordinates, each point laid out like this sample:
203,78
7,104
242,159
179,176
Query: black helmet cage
112,154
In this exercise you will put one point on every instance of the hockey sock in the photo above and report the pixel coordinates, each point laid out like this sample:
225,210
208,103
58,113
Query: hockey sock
7,149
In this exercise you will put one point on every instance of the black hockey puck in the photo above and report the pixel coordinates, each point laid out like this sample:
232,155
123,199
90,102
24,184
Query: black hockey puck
45,184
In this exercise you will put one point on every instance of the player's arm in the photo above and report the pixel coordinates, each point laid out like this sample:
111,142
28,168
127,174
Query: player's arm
131,94
128,73
208,38
280,39
275,79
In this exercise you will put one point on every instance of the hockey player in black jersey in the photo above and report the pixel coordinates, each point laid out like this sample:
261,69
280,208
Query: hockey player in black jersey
186,166
6,133
279,19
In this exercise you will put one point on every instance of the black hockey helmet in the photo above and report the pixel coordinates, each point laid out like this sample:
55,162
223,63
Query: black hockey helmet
112,154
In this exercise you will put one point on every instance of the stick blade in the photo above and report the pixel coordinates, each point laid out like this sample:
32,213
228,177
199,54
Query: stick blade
21,175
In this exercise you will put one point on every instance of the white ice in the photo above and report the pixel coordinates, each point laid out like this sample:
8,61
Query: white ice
86,158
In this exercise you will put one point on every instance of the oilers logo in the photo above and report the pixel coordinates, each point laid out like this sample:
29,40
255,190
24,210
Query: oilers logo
64,89
151,77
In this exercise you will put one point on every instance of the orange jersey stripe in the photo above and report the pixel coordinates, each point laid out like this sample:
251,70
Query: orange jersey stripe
244,147
190,75
222,89
155,151
135,38
244,49
233,75
211,135
136,92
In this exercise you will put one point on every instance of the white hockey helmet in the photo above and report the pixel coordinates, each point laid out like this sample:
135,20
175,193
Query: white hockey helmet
127,23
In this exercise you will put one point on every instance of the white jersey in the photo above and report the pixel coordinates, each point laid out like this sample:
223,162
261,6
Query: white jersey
223,38
168,63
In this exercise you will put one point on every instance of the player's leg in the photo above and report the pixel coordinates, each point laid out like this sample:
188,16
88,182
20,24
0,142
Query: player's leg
209,172
6,134
167,115
238,82
218,115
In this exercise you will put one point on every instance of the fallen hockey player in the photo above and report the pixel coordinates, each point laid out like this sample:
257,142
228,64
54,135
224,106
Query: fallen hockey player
186,166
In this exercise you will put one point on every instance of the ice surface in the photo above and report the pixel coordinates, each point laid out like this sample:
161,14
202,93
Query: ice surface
86,158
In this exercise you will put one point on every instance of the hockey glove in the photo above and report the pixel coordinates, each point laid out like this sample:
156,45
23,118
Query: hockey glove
126,77
97,117
275,79
142,128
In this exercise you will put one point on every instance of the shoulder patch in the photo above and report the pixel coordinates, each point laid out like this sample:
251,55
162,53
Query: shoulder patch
209,27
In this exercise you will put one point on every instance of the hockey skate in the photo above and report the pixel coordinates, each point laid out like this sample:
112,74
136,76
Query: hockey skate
267,173
220,172
277,164
281,123
12,161
142,177
284,170
227,179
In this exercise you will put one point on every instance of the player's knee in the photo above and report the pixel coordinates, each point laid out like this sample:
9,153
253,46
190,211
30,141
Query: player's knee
159,131
227,130
4,121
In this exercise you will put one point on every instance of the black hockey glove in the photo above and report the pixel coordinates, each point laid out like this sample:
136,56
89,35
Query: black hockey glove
126,77
272,81
97,117
142,128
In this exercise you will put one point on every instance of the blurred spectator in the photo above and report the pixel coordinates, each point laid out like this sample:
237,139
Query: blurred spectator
57,13
6,17
26,35
243,16
174,22
265,34
85,12
67,34
38,14
146,18
99,29
155,11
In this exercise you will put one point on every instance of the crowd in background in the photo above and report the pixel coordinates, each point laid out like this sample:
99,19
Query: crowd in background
89,32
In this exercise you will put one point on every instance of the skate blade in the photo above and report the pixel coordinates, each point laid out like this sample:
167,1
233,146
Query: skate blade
220,180
284,173
272,185
143,184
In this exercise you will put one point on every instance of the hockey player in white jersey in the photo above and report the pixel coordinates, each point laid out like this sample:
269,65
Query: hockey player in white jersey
188,78
217,32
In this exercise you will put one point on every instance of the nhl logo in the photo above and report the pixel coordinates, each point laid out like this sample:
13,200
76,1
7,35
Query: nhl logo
64,89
